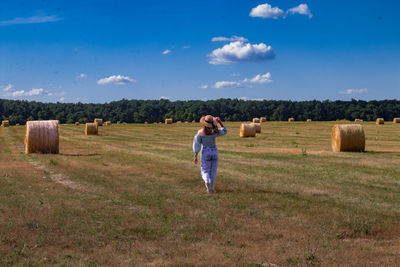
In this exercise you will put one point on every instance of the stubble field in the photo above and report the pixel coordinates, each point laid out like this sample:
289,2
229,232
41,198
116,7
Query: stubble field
132,196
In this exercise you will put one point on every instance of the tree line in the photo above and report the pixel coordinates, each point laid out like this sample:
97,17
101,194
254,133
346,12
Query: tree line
140,111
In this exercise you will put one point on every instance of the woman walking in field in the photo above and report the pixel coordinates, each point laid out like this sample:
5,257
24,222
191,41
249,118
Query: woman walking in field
204,140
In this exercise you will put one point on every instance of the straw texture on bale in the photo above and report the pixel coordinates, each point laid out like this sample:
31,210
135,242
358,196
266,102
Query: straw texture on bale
168,121
380,121
98,121
396,120
247,130
258,127
256,120
348,137
309,120
5,123
291,119
263,119
42,137
91,129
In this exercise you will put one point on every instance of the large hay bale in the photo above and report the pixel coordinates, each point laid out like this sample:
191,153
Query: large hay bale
91,129
42,136
247,130
168,121
348,137
290,119
309,120
263,119
98,121
256,120
396,120
5,123
380,121
258,127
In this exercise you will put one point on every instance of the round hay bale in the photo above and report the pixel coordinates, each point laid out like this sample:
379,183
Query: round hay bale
91,129
5,123
380,121
168,121
76,123
178,122
118,122
17,124
258,127
247,130
256,120
348,137
396,120
124,123
98,121
42,136
263,119
290,119
309,120
193,121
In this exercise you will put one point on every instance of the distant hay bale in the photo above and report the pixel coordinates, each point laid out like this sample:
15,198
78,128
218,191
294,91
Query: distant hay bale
396,120
193,121
124,123
258,127
17,124
42,137
256,120
5,123
168,121
98,121
380,121
348,137
309,120
118,122
186,122
247,130
290,119
178,122
107,123
77,123
91,128
263,119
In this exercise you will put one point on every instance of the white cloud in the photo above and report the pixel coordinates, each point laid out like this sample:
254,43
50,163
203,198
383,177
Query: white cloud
62,99
186,46
30,20
245,98
33,92
354,91
8,87
235,74
82,75
234,38
204,86
267,11
164,98
227,84
259,78
241,52
116,79
301,9
165,52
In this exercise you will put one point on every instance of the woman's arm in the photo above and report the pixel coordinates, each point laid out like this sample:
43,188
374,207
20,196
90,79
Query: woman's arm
223,130
196,147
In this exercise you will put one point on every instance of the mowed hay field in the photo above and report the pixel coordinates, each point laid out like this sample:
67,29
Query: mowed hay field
132,196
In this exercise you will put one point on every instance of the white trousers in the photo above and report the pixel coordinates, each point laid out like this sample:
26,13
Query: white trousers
209,164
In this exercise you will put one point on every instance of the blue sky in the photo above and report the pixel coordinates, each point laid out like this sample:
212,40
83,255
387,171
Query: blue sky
101,50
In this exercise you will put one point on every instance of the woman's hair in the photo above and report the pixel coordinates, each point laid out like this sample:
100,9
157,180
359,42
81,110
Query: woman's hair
209,131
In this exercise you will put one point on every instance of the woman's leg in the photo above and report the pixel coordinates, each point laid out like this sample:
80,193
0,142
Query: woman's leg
214,167
206,165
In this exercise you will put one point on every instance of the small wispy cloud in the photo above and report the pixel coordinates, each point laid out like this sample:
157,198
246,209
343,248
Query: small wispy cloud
246,82
354,91
234,38
30,20
246,98
116,79
164,98
33,92
62,99
82,75
166,52
267,11
8,87
205,86
186,46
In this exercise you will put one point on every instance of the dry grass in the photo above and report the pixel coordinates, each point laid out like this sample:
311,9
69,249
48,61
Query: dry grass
128,197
